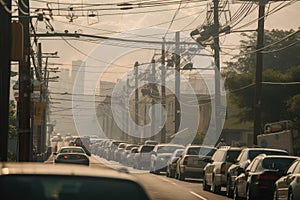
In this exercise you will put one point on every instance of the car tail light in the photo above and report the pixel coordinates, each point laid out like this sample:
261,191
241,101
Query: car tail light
185,161
267,177
223,168
65,157
142,155
75,144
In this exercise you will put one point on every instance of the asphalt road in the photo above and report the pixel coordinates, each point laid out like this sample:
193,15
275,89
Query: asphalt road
160,187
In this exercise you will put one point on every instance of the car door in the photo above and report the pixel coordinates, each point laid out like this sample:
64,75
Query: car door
209,168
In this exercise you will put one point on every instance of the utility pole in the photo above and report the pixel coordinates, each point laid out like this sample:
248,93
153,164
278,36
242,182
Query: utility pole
39,75
5,49
177,81
24,107
216,47
152,97
163,89
259,69
136,97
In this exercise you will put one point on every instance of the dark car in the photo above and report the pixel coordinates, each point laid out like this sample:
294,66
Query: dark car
34,181
83,142
243,161
72,158
257,182
172,163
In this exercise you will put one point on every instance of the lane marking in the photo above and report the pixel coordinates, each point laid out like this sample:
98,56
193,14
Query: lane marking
166,180
198,195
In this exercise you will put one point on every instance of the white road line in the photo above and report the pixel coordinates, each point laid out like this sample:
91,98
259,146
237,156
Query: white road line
166,180
197,195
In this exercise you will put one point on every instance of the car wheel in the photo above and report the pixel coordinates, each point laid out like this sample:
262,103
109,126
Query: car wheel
249,195
236,194
275,195
204,185
181,176
215,188
172,174
168,172
229,191
290,195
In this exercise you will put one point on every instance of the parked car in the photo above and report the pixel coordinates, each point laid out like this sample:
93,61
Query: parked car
288,186
72,158
243,161
257,182
131,155
35,181
192,162
142,158
118,151
83,142
172,163
109,149
126,151
160,155
216,170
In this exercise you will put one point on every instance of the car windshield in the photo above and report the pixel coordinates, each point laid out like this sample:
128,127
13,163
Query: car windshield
281,164
254,153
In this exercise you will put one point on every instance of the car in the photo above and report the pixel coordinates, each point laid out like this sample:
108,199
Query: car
126,151
216,169
118,151
110,147
192,162
258,180
72,158
131,155
288,186
172,163
142,158
242,162
83,142
151,142
68,149
160,155
35,181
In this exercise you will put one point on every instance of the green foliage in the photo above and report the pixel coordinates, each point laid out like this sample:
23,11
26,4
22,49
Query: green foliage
198,138
281,65
12,129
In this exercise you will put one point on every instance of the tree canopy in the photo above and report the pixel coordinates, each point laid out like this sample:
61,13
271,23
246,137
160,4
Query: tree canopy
281,77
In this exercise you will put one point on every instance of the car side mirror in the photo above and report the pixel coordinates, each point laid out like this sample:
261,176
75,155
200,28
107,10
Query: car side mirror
88,153
153,153
208,160
55,153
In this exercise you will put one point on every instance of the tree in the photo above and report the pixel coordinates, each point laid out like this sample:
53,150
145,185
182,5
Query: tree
281,67
12,130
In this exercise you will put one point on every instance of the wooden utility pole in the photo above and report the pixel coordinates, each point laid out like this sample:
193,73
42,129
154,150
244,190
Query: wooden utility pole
259,68
177,82
163,90
216,47
5,49
24,104
136,97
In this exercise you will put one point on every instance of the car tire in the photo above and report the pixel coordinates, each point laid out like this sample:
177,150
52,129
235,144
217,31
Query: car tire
275,195
236,194
290,195
181,176
168,172
172,174
205,187
215,188
229,191
249,195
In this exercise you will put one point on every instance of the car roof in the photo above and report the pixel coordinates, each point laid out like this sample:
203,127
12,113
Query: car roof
168,144
276,156
71,147
264,149
61,169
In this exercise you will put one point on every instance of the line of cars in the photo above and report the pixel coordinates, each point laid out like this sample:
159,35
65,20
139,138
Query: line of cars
244,173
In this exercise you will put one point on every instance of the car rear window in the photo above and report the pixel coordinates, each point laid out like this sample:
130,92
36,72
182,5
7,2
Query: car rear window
232,155
147,148
54,187
254,153
277,163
